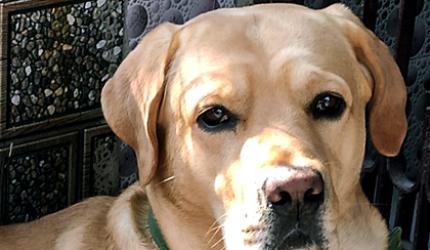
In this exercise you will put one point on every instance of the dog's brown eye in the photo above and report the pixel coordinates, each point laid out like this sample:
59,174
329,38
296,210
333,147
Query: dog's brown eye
327,105
216,118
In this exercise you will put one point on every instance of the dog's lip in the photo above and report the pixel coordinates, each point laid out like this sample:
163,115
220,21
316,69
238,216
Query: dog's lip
296,237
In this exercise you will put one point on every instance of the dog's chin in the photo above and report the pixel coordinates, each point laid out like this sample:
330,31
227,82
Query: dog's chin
295,239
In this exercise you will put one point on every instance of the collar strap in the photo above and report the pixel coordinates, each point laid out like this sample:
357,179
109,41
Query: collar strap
155,231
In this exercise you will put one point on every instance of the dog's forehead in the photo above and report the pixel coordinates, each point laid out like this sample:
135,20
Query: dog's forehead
270,36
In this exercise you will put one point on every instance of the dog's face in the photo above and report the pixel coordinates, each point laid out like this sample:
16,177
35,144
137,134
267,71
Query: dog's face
259,114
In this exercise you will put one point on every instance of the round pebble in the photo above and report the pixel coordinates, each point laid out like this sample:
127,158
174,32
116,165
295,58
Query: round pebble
48,92
51,109
59,91
71,19
101,44
16,100
28,70
100,3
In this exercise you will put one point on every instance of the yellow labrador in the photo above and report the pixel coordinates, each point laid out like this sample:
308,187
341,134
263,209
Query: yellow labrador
249,128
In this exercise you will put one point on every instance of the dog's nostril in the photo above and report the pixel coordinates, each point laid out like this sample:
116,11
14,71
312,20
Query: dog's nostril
313,196
282,198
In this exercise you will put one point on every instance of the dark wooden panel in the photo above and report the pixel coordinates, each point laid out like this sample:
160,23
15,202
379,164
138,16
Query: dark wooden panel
38,177
101,163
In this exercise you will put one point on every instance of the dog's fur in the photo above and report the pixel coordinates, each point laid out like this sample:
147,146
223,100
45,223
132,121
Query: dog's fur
264,63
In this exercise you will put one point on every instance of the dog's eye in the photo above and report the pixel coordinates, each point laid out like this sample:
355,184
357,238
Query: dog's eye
327,105
216,118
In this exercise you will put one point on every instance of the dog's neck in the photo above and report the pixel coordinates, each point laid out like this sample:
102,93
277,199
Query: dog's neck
177,225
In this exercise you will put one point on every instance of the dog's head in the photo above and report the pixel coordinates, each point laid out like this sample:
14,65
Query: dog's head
260,115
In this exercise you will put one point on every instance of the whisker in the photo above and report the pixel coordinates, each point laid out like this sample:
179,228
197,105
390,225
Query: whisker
167,180
212,227
216,243
214,234
215,230
222,248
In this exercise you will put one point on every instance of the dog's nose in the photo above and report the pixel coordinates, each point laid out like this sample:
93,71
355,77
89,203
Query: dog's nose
295,186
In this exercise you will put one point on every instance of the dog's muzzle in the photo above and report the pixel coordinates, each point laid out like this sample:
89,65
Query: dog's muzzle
294,198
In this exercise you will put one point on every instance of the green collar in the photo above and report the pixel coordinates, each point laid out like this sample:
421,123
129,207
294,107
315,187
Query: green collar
155,231
395,239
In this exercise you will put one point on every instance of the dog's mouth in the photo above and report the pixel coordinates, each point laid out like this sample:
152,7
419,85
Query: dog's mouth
295,239
284,239
291,231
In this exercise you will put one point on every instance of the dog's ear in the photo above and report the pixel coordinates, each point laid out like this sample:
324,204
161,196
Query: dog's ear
387,118
131,98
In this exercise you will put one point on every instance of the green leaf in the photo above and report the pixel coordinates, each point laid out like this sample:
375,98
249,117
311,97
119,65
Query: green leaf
395,238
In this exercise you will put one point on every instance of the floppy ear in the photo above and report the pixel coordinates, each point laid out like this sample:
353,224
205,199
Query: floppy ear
131,98
387,118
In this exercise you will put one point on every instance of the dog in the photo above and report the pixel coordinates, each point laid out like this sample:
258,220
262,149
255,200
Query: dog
249,127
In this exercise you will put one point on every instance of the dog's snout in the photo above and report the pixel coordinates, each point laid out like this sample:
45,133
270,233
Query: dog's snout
303,187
